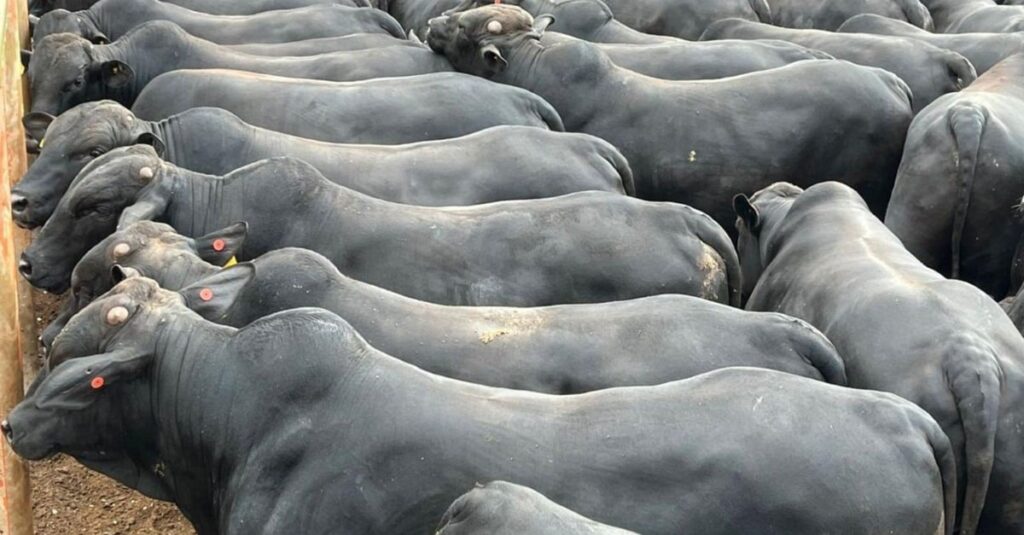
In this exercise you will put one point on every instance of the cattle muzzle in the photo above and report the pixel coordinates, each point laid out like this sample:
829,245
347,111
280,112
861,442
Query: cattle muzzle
26,211
20,211
45,279
5,426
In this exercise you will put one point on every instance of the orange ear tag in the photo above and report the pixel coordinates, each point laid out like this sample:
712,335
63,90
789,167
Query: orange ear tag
96,383
218,245
206,294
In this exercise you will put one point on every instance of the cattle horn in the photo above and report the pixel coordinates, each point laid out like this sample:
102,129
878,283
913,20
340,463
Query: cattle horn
494,26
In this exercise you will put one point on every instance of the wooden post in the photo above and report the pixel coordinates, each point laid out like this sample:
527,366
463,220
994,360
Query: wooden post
15,497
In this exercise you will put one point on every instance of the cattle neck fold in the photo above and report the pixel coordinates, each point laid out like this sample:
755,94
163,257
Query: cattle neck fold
535,67
192,383
150,51
180,272
96,18
112,19
265,192
226,401
170,131
202,203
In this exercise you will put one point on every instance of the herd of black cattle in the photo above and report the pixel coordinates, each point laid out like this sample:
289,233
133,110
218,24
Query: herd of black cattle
533,266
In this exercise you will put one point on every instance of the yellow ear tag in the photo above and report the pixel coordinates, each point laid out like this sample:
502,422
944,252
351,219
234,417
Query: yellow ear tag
41,141
231,261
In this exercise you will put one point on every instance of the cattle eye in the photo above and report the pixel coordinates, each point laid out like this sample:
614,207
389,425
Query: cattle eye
73,85
96,153
95,209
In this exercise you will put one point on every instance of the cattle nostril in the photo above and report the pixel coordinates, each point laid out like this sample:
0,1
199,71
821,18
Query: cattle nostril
18,203
6,428
25,267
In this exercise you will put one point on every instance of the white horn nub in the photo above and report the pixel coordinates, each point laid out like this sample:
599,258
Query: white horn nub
122,249
146,172
494,26
117,315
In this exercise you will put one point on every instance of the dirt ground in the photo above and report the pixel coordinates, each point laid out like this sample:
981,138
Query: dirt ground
69,499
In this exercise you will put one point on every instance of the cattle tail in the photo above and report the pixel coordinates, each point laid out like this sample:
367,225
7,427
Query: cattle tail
974,377
621,164
815,348
960,70
945,458
967,123
917,14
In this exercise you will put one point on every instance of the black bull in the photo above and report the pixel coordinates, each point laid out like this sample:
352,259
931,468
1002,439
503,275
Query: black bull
66,70
583,247
562,349
532,162
700,142
109,20
171,398
820,255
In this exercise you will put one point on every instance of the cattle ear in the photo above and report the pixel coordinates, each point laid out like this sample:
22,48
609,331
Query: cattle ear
416,39
26,56
119,273
746,211
212,297
153,140
541,23
221,245
75,383
493,59
36,124
151,203
116,73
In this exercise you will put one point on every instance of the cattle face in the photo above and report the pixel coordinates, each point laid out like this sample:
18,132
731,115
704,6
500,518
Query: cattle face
591,20
67,144
750,227
78,408
145,249
64,21
479,40
87,213
66,70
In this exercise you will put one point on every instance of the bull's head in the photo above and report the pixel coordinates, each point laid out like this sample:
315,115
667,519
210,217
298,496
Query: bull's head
479,40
